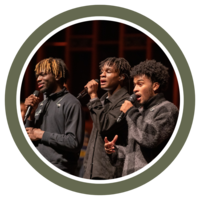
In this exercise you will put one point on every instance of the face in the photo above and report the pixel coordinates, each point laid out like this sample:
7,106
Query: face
144,88
46,82
109,78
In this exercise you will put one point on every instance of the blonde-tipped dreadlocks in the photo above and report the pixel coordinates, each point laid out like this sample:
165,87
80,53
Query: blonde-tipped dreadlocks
55,66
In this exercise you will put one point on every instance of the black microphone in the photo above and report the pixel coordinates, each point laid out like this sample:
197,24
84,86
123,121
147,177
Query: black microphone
28,112
84,92
132,98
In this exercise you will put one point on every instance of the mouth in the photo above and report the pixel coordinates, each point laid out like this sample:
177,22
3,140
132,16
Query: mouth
103,82
40,85
138,97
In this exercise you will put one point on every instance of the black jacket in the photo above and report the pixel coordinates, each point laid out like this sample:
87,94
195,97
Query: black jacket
60,116
104,116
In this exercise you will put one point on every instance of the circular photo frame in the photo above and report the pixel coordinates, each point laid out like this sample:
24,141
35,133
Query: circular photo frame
185,122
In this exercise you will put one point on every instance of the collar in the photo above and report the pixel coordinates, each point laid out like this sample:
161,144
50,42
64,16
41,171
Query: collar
121,92
58,94
157,99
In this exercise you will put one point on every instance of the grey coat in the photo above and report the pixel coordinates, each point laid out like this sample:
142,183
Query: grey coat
149,129
104,114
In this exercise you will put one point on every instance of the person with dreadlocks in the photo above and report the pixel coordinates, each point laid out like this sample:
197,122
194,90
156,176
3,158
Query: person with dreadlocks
150,126
55,125
115,72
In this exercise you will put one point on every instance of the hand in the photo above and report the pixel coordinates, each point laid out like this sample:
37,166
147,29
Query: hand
110,146
125,106
33,101
92,87
34,133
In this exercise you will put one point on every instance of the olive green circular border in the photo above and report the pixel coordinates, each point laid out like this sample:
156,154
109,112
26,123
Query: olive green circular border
92,11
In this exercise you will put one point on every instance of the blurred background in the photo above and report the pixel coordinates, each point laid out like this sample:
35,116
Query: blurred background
83,45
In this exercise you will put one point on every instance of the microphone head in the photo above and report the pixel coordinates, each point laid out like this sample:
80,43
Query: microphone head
36,93
97,80
132,98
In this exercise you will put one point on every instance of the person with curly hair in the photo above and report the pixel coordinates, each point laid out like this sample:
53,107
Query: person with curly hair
149,127
115,72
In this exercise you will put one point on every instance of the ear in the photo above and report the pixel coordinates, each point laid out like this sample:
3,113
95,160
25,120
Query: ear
122,77
57,78
156,85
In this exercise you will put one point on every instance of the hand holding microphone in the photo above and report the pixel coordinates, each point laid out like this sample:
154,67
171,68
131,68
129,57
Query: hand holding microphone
91,88
125,106
31,104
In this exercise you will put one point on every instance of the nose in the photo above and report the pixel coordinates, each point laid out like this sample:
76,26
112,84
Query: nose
135,89
39,78
103,74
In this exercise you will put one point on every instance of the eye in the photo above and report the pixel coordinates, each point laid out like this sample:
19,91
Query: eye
109,71
103,72
140,84
43,74
40,74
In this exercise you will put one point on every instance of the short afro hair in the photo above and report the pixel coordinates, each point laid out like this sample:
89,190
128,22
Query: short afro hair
56,66
120,64
155,71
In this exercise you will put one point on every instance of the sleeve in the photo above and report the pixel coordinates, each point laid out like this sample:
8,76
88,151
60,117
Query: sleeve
29,123
154,130
72,140
105,121
117,158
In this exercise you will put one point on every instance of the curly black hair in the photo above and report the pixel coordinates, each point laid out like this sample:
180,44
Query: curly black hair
55,66
120,64
156,71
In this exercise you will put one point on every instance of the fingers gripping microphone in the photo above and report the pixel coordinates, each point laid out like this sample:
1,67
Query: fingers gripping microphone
28,112
132,98
84,92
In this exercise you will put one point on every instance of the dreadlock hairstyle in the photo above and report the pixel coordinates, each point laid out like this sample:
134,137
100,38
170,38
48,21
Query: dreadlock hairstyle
120,64
55,66
156,71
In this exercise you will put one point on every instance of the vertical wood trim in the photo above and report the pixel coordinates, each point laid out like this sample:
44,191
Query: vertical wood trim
67,56
40,56
27,84
175,90
149,48
94,64
121,39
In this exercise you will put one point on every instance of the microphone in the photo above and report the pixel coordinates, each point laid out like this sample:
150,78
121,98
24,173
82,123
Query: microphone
132,98
28,112
85,91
